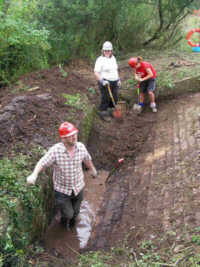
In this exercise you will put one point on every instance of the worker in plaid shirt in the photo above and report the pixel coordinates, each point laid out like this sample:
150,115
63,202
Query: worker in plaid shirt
68,178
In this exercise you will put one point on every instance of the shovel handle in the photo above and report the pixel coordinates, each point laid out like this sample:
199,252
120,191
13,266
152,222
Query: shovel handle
120,161
111,96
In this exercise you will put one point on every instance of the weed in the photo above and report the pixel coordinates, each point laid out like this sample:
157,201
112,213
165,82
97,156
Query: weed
20,205
196,238
165,80
91,90
77,101
131,82
95,259
147,244
63,72
20,87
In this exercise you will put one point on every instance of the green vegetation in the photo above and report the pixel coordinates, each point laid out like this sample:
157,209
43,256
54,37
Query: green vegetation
23,213
150,253
63,72
77,101
81,102
33,35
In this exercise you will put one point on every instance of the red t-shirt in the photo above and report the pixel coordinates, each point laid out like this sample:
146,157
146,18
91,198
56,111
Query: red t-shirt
142,70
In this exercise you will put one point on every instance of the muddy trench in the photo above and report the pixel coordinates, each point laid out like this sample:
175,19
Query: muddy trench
141,197
25,121
104,202
105,197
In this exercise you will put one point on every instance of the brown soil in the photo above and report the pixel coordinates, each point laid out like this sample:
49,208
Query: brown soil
44,109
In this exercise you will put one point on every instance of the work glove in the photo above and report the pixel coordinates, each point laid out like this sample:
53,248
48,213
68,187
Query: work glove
119,83
104,82
31,179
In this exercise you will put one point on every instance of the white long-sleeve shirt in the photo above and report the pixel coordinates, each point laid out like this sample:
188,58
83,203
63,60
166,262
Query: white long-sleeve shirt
107,68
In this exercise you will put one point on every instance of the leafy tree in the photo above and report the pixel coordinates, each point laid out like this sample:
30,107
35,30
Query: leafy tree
40,32
23,45
168,14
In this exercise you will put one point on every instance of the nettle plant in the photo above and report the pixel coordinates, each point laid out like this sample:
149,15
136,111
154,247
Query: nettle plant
77,101
22,212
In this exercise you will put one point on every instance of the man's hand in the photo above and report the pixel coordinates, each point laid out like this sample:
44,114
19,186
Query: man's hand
93,173
31,179
104,82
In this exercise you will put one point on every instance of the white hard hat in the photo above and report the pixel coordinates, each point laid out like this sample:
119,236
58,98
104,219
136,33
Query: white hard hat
107,46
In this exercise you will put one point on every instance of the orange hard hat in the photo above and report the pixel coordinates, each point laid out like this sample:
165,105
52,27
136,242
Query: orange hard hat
67,129
132,62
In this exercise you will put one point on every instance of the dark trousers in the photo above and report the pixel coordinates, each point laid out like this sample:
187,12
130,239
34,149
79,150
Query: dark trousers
106,101
69,206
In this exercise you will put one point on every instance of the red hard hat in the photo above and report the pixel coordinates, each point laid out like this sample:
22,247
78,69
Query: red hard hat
132,62
67,129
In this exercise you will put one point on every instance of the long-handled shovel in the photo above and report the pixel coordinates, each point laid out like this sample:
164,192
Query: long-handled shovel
117,113
119,163
135,106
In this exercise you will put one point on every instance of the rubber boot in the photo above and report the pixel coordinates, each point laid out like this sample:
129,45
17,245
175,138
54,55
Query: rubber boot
104,115
72,222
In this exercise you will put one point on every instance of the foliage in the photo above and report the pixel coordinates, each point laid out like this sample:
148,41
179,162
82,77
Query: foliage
77,101
91,90
22,48
128,24
63,72
168,17
165,80
22,216
149,252
95,259
33,35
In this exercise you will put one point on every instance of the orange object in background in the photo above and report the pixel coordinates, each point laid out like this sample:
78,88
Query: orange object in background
189,36
196,12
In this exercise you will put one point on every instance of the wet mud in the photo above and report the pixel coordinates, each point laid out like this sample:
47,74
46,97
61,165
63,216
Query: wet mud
69,243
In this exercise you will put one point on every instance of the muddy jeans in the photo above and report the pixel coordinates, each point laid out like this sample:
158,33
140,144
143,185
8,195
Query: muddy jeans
69,206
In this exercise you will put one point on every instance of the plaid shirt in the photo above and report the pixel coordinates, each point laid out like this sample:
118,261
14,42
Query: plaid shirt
68,172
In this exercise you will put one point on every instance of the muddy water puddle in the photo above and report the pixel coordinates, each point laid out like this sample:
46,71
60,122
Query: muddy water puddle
58,240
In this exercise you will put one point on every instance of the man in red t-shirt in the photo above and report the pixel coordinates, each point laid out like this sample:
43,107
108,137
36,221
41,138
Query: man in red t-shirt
145,74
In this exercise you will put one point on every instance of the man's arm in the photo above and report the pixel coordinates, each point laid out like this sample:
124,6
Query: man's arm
47,160
31,179
137,76
149,75
89,164
97,75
